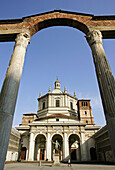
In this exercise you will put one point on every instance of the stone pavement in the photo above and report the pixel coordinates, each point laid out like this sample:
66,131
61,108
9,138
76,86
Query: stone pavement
34,166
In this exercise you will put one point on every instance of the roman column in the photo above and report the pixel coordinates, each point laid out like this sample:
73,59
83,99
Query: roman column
65,147
9,93
48,147
105,80
31,147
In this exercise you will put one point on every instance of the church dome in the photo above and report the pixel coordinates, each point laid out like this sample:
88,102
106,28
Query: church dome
57,91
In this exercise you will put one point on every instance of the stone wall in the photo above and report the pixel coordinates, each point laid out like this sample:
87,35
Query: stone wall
13,147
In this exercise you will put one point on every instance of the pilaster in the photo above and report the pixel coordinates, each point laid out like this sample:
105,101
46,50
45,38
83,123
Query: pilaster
83,147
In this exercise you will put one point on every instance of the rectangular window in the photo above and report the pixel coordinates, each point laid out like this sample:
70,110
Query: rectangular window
57,103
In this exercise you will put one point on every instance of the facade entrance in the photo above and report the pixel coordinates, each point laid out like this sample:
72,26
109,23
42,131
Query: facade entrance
40,148
93,154
23,153
74,147
42,154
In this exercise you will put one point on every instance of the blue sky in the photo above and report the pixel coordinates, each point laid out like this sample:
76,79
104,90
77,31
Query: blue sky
56,51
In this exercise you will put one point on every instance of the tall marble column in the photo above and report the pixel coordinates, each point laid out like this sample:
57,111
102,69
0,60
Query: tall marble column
105,80
9,92
31,147
48,147
65,147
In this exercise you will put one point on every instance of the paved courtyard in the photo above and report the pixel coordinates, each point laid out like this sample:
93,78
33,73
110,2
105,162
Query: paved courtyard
34,166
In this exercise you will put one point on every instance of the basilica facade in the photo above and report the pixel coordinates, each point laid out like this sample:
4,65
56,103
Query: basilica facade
60,118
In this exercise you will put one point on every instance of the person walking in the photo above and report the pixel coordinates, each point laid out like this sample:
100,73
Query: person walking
69,162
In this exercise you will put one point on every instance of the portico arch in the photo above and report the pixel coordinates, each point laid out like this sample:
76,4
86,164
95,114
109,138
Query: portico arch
21,30
74,147
40,147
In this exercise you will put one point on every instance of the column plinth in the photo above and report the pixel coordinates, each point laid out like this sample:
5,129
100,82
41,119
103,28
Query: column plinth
105,80
9,92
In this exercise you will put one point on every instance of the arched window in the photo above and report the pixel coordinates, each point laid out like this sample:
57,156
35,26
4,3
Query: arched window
85,113
84,103
57,103
71,105
86,121
43,106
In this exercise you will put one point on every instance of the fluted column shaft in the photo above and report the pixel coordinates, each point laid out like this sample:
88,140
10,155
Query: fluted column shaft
9,92
105,80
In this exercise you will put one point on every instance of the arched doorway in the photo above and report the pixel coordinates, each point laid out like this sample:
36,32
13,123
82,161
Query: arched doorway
23,153
93,153
74,147
40,148
57,138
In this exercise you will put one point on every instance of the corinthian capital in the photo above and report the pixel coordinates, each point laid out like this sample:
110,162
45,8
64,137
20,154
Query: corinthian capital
94,36
22,39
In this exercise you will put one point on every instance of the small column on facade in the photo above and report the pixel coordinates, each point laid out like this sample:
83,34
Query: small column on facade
105,80
65,147
31,147
9,92
83,147
48,147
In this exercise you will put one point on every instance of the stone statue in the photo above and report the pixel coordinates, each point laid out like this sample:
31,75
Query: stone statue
56,145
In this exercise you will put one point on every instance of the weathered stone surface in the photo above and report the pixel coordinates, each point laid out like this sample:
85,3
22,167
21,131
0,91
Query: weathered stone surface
9,92
105,80
32,24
